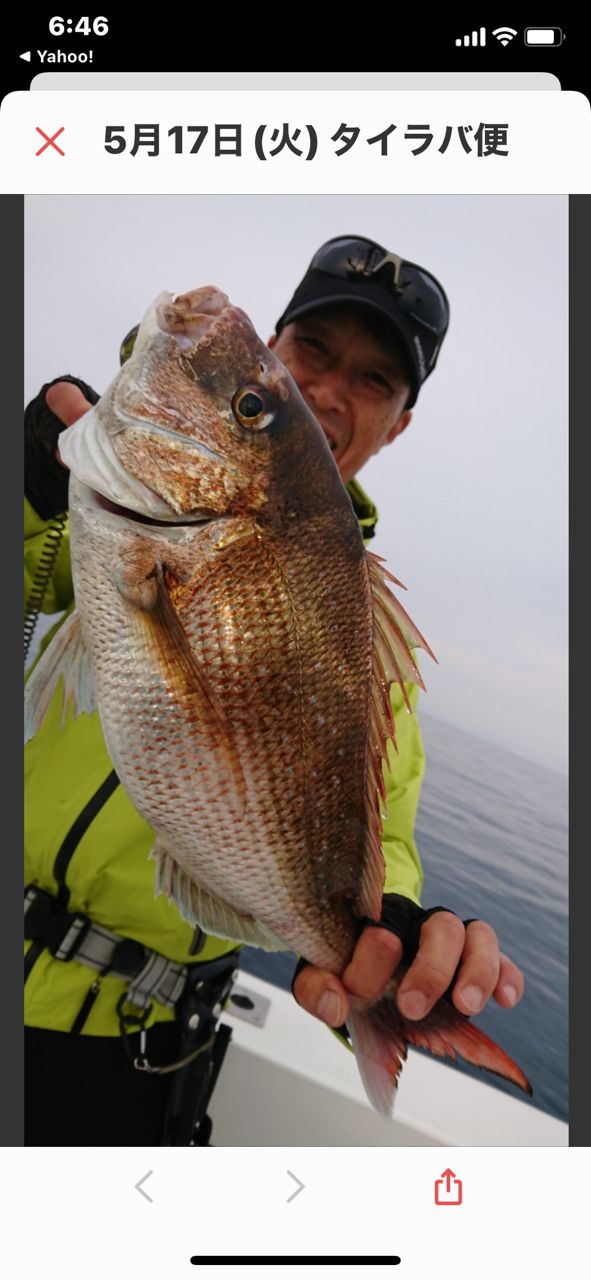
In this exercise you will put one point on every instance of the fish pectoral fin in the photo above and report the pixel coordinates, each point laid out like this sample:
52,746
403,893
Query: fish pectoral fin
66,657
199,906
161,624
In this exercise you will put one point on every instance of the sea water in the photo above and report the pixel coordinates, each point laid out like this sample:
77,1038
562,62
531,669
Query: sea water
492,835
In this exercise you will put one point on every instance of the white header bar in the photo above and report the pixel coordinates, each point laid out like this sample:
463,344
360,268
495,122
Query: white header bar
274,142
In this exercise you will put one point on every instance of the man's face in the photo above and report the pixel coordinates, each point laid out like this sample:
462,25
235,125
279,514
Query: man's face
354,386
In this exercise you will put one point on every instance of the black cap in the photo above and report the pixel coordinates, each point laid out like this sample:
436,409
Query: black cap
355,269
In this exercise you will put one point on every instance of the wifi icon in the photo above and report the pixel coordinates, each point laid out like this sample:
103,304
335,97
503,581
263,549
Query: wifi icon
504,34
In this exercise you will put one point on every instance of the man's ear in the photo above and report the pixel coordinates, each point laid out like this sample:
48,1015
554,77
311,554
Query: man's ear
272,340
399,426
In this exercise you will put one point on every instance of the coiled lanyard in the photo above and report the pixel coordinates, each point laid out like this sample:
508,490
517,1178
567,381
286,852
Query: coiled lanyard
53,541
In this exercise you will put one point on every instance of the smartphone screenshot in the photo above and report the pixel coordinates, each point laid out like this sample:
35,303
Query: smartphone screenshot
299,359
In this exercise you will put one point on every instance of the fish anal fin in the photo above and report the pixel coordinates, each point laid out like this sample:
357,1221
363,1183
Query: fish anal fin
199,906
66,658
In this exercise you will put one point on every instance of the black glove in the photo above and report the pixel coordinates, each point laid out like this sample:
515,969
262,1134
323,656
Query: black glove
46,481
401,916
404,918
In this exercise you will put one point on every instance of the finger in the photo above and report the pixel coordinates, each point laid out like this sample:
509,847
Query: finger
321,994
67,402
509,988
376,956
440,947
480,968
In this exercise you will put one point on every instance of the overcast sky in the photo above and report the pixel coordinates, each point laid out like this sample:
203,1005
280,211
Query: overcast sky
473,496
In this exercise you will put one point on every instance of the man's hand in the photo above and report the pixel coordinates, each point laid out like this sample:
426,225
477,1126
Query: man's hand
67,402
444,943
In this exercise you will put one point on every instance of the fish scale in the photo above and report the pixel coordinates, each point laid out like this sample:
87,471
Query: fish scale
193,820
259,708
240,645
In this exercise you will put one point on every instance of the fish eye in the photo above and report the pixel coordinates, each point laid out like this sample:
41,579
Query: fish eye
253,408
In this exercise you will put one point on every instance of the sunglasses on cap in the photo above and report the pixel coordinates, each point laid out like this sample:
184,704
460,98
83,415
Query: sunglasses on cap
418,294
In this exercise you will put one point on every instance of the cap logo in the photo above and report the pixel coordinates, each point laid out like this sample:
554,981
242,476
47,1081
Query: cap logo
420,356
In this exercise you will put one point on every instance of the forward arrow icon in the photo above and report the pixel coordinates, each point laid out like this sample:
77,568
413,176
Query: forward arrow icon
300,1187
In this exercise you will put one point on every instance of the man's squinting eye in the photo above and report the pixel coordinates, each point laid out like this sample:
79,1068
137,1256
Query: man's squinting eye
313,343
379,380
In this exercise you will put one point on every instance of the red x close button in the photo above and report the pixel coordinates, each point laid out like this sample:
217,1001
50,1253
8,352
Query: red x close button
50,142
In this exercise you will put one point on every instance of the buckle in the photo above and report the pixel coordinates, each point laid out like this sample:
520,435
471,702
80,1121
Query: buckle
60,931
129,1023
129,957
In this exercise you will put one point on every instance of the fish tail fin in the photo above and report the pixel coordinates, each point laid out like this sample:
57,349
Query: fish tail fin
380,1036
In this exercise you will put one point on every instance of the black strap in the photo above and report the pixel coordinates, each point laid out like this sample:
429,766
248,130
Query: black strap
85,1008
32,956
65,853
77,830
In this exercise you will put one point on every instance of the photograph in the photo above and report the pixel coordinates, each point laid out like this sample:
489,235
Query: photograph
296,592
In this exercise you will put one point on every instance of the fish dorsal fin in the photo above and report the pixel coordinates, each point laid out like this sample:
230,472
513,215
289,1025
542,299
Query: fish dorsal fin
188,681
394,637
66,657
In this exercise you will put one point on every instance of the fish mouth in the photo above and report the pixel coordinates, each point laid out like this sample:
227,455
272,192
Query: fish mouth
190,316
97,502
127,513
109,490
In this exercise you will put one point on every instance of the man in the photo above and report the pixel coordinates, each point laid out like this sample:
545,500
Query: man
356,297
361,334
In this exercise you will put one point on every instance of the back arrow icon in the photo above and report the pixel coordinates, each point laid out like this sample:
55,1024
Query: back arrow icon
300,1187
138,1186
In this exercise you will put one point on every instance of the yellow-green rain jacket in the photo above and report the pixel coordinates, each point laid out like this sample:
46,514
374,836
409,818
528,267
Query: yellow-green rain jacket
81,828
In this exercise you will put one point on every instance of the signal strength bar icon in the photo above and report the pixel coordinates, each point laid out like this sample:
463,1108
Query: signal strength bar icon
475,38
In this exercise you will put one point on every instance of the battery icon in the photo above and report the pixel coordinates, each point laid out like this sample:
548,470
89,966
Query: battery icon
543,37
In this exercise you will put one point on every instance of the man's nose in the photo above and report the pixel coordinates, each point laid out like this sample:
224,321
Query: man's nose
330,390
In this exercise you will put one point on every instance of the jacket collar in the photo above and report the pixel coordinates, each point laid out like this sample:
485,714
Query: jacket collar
364,509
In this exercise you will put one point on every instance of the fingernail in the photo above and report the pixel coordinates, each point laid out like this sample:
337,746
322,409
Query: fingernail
510,994
472,998
413,1004
329,1008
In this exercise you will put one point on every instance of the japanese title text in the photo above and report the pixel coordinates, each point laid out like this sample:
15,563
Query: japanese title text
302,142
